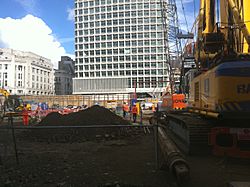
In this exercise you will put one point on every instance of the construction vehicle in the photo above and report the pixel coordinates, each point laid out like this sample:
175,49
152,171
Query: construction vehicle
218,116
10,103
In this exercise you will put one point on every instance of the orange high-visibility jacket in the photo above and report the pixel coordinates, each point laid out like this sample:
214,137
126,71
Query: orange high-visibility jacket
134,110
125,108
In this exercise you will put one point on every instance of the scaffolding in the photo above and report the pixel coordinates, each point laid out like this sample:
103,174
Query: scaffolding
172,43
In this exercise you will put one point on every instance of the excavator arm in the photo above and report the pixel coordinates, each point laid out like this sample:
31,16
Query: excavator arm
225,37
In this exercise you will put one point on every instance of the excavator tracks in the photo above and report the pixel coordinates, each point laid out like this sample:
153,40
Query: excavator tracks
189,132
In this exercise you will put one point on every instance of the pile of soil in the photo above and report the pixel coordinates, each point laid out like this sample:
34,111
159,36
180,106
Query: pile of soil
95,115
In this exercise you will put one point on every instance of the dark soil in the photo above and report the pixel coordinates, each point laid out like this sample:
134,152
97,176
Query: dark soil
119,162
95,115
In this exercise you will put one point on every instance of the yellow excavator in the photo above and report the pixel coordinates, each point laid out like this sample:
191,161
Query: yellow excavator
219,89
10,103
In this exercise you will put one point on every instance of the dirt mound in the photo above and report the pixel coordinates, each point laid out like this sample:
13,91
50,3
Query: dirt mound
95,115
53,118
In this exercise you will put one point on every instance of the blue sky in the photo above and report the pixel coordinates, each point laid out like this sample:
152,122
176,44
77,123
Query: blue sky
50,14
54,23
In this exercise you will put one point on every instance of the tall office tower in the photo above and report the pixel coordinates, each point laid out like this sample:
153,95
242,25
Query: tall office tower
119,45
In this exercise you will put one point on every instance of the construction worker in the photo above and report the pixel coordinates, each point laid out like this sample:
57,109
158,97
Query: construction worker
134,112
125,109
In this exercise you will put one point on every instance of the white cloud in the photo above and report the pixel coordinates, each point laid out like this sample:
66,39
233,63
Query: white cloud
30,33
71,14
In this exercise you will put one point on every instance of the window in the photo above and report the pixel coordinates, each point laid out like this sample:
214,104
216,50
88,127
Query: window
103,53
134,50
103,9
109,8
147,64
127,28
128,65
103,16
109,29
103,30
110,73
115,44
98,59
115,29
115,51
103,23
121,66
109,52
134,72
121,72
103,37
115,7
121,21
109,66
109,15
103,66
121,7
97,74
128,58
121,58
109,59
115,36
103,73
104,59
127,21
121,43
121,14
97,38
97,31
127,14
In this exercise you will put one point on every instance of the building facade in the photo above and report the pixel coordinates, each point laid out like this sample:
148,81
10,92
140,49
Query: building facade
26,73
64,76
119,45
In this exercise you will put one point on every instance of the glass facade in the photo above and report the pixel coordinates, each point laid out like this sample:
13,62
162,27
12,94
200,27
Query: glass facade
120,38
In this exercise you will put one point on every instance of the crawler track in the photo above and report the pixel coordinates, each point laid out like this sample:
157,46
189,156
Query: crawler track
189,132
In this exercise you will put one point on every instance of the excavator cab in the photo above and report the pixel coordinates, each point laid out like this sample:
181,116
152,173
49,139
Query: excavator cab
10,103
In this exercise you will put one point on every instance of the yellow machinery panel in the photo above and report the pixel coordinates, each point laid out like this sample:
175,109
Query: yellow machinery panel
225,88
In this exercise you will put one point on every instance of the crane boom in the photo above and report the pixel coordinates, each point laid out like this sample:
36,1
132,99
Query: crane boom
238,20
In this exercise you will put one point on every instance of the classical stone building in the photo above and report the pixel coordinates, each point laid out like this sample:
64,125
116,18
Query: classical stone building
26,73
